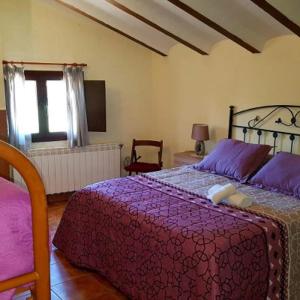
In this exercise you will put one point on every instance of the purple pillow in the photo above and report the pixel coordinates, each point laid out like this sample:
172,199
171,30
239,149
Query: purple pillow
234,159
281,174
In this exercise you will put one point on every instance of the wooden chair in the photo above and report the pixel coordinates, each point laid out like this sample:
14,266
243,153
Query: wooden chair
144,167
41,273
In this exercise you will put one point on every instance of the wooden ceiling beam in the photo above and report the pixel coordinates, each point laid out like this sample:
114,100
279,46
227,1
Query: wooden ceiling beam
155,26
189,10
277,15
81,12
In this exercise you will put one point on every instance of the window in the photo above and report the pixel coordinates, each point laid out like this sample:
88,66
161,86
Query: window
47,105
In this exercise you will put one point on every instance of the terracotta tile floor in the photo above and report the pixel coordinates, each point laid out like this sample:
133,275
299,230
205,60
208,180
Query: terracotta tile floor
69,282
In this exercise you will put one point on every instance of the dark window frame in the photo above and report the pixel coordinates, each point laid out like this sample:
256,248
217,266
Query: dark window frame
41,77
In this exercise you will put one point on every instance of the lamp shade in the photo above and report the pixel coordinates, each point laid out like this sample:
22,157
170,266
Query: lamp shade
200,132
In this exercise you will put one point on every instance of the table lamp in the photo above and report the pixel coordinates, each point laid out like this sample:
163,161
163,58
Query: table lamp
200,134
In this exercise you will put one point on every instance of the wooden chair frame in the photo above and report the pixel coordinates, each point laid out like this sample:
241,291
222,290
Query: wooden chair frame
135,143
41,273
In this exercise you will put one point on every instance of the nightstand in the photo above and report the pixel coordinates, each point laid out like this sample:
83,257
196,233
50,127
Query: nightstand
186,158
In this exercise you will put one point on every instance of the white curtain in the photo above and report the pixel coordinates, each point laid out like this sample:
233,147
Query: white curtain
77,121
18,117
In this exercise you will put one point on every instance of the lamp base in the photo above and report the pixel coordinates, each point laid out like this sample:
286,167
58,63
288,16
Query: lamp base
200,148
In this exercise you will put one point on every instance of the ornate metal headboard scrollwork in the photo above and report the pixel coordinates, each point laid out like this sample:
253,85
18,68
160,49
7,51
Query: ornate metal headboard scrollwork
277,116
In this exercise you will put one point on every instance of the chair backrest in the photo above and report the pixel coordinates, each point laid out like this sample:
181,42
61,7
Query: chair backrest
151,143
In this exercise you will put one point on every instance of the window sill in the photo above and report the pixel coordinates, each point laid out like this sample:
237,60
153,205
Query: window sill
49,145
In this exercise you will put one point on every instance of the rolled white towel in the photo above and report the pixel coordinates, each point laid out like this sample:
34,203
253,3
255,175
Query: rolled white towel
219,192
240,200
215,188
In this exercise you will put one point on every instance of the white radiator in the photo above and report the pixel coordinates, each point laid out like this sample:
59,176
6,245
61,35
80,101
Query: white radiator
65,170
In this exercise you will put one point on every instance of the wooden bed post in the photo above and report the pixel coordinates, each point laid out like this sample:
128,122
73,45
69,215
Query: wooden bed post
4,167
41,273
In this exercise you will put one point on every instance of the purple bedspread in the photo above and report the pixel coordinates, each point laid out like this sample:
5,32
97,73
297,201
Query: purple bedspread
153,241
16,254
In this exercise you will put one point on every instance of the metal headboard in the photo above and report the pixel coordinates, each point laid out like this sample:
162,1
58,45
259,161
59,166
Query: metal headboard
256,123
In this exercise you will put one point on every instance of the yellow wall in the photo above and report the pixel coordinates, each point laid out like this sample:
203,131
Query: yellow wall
149,96
42,30
188,87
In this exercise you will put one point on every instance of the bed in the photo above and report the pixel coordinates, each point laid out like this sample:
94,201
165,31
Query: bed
157,236
24,247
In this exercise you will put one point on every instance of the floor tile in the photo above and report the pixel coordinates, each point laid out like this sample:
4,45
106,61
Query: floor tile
25,295
54,296
56,256
105,282
82,288
110,296
63,271
22,296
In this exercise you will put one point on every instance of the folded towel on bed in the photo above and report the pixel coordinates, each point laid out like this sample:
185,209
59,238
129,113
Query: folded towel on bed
227,192
215,188
240,200
219,192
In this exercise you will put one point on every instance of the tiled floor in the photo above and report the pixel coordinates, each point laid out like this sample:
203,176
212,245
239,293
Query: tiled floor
69,282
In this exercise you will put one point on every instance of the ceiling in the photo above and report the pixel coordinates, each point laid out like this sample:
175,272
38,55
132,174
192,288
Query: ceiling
197,24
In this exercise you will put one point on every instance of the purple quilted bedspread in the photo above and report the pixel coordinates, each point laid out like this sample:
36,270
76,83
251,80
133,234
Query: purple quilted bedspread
153,241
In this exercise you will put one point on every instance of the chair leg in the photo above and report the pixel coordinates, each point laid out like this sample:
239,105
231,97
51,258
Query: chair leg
130,173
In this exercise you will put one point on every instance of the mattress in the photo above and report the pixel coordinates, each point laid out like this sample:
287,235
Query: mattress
156,236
